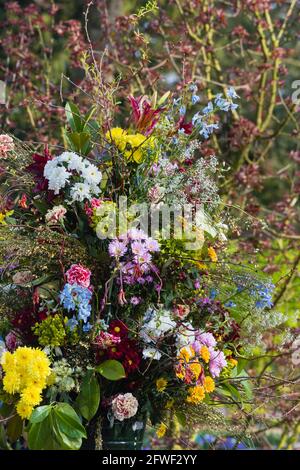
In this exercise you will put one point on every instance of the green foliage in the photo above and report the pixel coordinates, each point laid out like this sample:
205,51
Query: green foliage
55,427
89,396
111,370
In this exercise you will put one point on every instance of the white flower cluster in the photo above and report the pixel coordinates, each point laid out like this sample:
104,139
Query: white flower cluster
70,170
156,324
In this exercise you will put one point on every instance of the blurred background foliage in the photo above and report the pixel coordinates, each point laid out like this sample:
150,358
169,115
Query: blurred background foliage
146,48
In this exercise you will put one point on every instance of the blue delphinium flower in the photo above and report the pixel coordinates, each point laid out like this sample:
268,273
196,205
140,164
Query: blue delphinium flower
72,323
76,298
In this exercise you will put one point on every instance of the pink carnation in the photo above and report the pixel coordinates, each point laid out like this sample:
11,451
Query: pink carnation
56,214
78,274
6,145
124,406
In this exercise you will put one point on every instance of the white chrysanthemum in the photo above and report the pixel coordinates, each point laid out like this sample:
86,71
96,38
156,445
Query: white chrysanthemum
57,179
91,174
50,166
185,335
151,353
80,191
73,161
159,324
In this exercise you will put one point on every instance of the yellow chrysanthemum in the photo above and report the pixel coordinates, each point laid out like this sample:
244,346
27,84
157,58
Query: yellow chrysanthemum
11,383
23,355
233,362
8,361
24,410
118,136
135,145
205,354
196,394
195,368
186,354
209,384
32,396
161,384
28,374
131,145
161,430
212,254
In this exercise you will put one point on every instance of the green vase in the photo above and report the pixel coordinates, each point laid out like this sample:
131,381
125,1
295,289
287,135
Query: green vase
125,435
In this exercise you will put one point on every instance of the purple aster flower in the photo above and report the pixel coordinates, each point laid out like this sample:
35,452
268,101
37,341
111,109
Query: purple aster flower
152,244
135,300
217,362
117,248
206,339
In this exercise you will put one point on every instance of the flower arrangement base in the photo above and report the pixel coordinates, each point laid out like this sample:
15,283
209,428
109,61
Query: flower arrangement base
124,435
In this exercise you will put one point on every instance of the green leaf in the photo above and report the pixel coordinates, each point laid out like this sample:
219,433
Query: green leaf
79,141
111,370
181,418
3,441
163,98
73,117
89,396
41,436
14,428
69,421
88,117
40,413
60,429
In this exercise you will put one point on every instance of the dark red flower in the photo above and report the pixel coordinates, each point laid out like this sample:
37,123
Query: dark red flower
118,328
37,169
186,126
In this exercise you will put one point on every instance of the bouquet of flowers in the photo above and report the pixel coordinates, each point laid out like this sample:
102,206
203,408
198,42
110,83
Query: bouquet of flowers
119,300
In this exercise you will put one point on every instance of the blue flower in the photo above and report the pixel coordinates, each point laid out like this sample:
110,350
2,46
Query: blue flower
213,293
87,327
231,93
182,110
195,99
207,129
208,109
229,304
221,103
193,88
72,323
76,298
196,119
263,294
